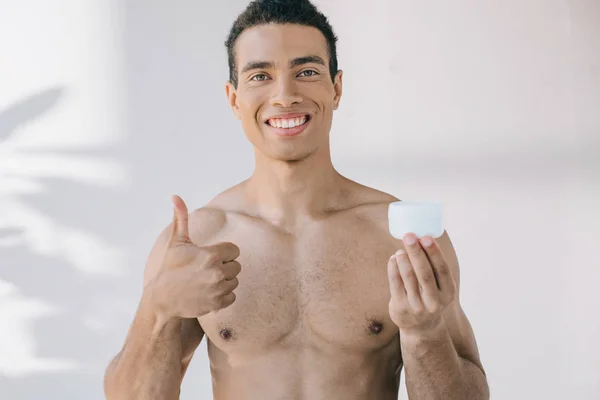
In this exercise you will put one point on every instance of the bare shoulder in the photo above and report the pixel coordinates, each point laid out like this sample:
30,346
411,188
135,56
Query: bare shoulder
371,204
366,195
205,223
208,221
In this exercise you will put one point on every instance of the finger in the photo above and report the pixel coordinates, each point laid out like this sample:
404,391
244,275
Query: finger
229,285
424,271
228,300
411,284
180,229
227,251
443,274
231,269
395,279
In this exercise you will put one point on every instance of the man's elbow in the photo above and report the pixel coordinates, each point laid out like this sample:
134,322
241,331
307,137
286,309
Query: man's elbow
475,381
111,389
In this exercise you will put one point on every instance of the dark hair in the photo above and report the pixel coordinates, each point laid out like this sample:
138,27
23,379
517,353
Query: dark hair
301,12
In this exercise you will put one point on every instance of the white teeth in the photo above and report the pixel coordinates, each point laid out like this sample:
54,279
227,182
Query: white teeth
287,123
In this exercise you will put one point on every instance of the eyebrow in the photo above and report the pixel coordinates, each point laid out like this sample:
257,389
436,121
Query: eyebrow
293,63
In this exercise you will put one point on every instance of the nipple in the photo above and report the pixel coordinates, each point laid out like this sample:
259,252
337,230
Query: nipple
375,327
226,333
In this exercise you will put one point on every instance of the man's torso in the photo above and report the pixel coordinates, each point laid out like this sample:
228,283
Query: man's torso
311,319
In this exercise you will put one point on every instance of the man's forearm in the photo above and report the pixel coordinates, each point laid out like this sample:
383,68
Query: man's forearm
434,370
149,365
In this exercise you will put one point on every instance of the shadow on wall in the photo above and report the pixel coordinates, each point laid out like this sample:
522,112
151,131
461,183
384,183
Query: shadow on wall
54,264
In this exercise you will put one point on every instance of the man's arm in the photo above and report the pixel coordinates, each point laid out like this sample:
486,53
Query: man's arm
443,362
157,352
152,363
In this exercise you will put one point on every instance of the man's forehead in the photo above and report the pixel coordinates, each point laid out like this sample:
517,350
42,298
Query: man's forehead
279,43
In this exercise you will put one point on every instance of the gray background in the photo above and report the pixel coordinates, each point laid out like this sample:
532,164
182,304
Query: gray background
108,107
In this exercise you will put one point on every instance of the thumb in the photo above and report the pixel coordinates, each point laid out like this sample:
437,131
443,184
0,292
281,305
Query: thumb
179,229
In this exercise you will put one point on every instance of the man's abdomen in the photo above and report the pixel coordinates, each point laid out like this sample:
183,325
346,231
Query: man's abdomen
305,372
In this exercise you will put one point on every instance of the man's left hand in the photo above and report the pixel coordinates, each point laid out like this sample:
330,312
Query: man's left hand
421,285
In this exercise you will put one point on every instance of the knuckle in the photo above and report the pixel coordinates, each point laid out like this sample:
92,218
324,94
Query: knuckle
419,309
213,257
408,274
207,256
406,313
443,269
434,307
216,275
428,278
217,302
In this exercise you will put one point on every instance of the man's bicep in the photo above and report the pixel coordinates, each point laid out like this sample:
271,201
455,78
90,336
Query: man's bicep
191,337
156,255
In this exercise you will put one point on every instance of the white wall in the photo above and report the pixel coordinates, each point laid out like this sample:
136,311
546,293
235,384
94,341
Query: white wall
108,107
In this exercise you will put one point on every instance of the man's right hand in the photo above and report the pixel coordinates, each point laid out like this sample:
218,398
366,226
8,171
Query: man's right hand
193,280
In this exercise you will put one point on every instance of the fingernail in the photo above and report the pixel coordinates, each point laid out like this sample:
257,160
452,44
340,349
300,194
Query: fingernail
399,253
410,239
426,241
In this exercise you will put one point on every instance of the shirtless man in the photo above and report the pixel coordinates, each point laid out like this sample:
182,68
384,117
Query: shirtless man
292,274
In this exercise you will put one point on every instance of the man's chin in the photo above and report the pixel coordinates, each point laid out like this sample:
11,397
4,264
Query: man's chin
290,155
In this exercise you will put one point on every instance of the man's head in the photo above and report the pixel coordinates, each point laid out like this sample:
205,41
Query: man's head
283,63
261,12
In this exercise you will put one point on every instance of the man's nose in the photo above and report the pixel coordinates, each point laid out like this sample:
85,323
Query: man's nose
286,94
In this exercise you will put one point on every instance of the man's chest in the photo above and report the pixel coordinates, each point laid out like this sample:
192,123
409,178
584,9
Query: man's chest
327,286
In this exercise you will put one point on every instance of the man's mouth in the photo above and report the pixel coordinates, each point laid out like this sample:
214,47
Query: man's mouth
288,123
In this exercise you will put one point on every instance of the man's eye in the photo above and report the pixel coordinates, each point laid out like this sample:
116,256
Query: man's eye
259,77
308,72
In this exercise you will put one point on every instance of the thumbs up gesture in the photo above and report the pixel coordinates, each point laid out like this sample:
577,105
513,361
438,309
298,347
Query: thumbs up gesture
194,280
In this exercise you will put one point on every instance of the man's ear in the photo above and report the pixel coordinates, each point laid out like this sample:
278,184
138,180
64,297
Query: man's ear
231,93
337,88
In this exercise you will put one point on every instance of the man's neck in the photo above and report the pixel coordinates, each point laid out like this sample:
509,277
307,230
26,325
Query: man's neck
286,192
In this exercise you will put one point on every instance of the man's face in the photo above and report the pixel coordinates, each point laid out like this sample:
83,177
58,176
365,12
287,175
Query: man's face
285,96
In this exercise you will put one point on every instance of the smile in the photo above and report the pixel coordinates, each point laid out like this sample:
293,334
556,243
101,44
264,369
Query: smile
289,126
287,123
